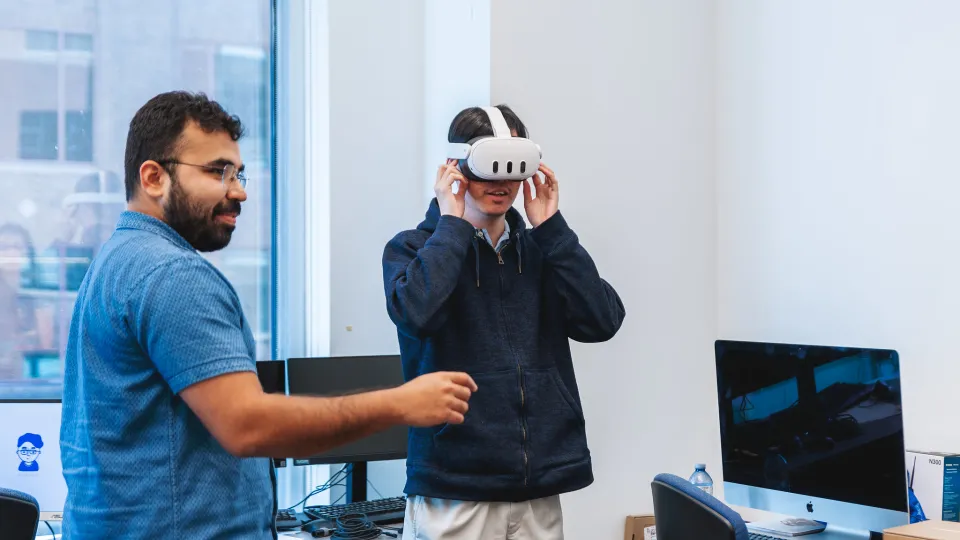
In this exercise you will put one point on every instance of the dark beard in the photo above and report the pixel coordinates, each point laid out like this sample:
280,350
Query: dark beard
195,223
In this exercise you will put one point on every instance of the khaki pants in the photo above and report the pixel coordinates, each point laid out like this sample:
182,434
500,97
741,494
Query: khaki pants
440,519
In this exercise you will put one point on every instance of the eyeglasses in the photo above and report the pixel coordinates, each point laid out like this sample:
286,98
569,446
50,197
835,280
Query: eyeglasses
28,451
228,173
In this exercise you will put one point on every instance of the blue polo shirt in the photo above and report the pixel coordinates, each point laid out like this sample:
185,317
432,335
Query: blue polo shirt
153,317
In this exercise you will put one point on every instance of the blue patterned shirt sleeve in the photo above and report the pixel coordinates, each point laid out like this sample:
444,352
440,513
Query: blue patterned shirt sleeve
187,318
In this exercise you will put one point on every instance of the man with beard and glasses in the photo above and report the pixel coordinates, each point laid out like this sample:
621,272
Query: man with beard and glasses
166,431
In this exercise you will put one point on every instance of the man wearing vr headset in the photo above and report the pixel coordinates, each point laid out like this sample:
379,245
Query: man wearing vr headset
473,289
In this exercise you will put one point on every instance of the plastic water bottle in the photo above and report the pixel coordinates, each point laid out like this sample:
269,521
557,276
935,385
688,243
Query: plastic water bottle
701,479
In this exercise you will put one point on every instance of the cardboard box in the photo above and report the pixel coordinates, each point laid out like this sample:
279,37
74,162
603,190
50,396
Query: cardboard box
935,478
635,526
924,530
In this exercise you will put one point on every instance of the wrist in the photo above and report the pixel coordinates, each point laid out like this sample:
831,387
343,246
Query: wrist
391,405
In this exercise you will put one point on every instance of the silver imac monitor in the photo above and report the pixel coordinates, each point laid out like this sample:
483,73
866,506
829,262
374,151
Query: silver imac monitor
30,460
813,432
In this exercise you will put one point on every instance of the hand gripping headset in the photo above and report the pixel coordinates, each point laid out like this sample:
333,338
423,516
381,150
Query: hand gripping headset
500,157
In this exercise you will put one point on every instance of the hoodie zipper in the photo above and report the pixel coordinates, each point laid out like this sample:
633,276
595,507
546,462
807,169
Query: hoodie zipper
523,397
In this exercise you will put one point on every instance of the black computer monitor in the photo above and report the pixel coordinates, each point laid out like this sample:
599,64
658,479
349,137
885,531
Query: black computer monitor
813,431
273,376
273,379
348,375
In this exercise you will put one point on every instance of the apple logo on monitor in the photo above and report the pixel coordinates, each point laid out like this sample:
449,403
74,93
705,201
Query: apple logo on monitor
810,507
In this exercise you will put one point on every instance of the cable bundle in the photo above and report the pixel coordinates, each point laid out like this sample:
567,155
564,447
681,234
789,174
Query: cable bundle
355,527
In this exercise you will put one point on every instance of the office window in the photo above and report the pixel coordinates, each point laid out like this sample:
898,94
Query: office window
79,135
42,40
241,81
69,92
78,42
38,134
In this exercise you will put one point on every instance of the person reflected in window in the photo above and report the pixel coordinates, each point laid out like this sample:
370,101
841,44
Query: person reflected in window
92,210
89,217
18,313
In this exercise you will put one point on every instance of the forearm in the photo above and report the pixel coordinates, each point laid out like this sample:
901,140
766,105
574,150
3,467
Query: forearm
299,426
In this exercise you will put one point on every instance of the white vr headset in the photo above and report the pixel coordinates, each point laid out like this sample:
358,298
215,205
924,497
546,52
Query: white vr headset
500,157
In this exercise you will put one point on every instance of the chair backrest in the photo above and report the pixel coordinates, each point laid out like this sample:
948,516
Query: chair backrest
19,515
684,512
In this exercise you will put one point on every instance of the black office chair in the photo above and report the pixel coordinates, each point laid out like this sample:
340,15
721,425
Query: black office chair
685,512
19,515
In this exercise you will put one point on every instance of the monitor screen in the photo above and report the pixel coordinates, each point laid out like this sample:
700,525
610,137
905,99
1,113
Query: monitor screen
30,460
273,379
824,423
349,375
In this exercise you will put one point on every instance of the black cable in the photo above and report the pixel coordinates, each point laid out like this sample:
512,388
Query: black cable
375,490
355,527
51,530
334,480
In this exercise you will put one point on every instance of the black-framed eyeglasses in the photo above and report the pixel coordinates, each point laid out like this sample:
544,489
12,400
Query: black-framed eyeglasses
228,173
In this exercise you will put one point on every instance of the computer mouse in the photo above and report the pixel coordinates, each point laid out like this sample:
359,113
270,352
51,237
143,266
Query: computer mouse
319,528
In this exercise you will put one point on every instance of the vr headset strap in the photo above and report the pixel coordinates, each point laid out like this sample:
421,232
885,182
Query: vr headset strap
500,128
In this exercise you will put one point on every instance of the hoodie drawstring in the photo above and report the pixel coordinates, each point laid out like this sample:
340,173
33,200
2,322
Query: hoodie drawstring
518,245
476,256
519,255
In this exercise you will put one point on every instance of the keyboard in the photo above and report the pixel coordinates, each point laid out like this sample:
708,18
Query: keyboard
379,511
758,536
287,519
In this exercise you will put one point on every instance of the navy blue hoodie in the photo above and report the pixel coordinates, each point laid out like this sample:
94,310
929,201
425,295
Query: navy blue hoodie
506,319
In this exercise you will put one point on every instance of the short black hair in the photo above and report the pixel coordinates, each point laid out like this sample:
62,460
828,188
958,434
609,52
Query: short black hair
473,122
31,438
156,128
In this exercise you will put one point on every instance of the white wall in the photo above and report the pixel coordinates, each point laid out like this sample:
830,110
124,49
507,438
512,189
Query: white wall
621,98
456,72
838,185
376,134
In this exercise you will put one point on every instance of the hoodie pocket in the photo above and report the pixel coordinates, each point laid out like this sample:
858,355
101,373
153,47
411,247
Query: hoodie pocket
489,441
555,421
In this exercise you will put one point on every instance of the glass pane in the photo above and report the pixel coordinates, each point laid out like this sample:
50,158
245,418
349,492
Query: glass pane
63,127
78,42
42,40
79,136
38,134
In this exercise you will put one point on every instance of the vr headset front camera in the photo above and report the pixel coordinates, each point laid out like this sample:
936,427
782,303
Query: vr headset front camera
500,157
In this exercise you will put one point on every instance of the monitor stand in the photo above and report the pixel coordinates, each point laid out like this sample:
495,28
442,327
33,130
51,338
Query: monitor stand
788,526
357,482
755,517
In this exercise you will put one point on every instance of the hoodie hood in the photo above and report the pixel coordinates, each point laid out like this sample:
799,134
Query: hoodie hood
517,226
